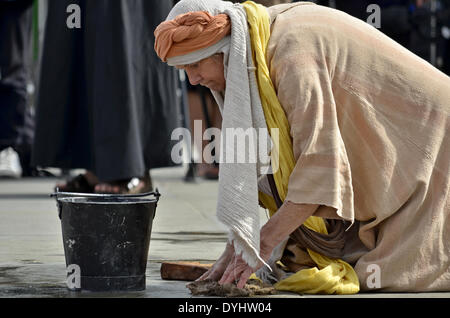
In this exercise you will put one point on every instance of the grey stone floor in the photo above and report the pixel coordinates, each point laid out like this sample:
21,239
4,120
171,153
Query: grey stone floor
185,228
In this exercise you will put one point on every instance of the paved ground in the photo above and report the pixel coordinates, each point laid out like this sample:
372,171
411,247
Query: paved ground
32,260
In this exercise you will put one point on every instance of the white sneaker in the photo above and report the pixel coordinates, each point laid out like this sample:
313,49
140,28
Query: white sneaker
10,164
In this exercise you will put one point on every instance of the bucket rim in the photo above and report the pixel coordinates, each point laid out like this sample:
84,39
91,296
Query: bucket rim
64,195
60,196
106,201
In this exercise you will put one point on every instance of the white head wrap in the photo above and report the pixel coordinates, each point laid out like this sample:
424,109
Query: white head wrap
237,206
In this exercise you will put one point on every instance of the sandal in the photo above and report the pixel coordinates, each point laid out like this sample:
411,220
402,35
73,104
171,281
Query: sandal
130,186
211,172
76,185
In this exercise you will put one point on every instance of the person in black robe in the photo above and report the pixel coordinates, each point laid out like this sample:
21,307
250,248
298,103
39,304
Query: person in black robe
105,102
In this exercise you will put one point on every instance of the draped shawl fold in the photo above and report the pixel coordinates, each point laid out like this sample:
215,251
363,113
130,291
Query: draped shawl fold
237,205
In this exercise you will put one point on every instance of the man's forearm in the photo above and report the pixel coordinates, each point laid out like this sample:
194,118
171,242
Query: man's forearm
288,218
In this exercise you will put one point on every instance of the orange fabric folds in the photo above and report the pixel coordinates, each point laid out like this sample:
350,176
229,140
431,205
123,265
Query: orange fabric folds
190,32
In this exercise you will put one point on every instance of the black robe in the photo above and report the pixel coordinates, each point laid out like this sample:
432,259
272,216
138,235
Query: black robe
106,103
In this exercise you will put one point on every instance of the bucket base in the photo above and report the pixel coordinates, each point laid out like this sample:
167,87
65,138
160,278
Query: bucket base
112,284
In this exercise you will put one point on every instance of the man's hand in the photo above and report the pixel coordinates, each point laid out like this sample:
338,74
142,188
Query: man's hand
237,272
289,217
231,268
219,267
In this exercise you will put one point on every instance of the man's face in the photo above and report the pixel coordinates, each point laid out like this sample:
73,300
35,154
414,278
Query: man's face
208,72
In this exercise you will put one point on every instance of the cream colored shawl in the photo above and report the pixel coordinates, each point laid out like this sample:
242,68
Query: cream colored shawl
237,206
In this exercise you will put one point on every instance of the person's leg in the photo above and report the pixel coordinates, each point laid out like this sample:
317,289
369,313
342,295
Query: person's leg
446,67
15,57
25,144
203,108
83,183
63,133
134,103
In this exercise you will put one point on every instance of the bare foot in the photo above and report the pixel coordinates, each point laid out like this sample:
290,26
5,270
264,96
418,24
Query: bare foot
109,188
132,186
84,183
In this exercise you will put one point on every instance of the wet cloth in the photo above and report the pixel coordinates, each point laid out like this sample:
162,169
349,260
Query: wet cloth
370,128
254,287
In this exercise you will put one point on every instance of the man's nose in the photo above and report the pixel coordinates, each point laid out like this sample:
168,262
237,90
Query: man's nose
194,78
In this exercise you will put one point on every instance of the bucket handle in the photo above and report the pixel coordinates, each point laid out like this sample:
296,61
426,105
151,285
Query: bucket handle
57,194
98,195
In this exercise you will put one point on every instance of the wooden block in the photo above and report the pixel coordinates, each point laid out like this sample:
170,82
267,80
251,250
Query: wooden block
184,271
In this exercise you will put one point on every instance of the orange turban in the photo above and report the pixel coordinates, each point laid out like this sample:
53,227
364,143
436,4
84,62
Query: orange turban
190,32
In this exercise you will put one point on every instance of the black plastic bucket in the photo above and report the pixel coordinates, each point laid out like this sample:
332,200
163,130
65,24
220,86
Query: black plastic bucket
106,239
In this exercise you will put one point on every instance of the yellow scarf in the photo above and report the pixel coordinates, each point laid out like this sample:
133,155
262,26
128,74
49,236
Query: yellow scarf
333,276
